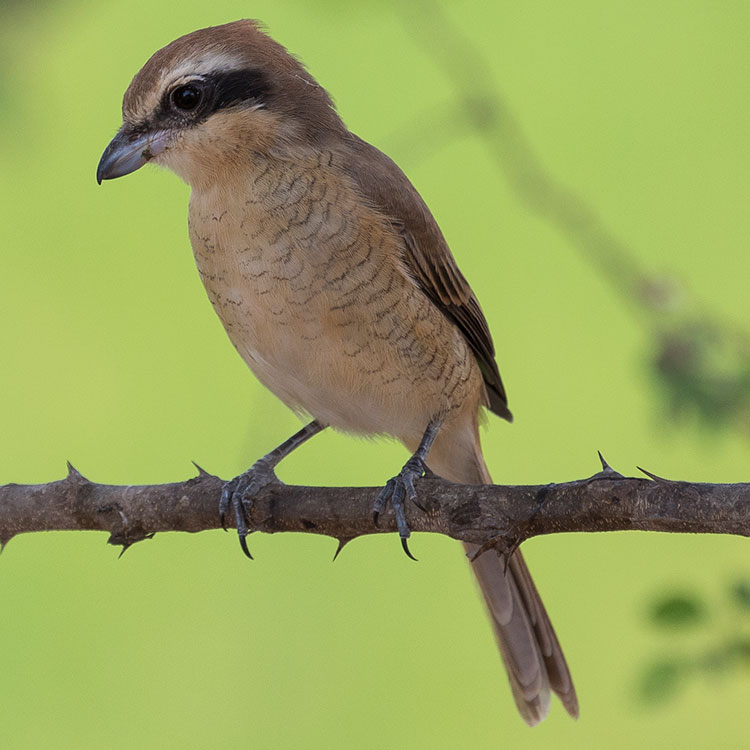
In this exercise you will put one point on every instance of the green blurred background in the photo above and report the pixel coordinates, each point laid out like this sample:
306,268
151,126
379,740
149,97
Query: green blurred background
112,358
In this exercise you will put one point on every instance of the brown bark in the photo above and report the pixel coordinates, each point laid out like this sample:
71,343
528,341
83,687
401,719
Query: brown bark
505,515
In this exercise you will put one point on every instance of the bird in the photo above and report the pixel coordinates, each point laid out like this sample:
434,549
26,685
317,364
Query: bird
337,288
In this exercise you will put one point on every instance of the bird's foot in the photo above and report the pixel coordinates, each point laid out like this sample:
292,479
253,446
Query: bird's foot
396,490
239,494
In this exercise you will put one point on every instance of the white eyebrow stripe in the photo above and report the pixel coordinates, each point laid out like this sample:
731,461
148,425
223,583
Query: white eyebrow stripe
203,64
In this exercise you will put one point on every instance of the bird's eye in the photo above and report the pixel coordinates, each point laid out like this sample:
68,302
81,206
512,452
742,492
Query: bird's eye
186,97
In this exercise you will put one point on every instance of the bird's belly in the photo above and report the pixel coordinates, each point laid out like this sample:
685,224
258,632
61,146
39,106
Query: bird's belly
332,325
341,364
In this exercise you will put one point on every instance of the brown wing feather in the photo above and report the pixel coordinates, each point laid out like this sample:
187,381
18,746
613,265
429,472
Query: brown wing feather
427,256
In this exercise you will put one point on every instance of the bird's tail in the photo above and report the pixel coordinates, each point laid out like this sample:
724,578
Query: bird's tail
527,640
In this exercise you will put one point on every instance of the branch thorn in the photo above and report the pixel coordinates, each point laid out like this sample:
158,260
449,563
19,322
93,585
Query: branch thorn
501,546
73,473
343,541
607,471
126,542
201,471
655,477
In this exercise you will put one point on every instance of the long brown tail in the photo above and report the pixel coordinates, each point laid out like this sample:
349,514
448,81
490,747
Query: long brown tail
527,641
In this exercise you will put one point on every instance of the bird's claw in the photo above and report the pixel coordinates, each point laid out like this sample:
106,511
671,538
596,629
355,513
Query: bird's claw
239,493
396,490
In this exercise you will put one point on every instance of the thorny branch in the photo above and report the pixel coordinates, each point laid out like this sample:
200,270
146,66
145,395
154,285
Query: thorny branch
490,515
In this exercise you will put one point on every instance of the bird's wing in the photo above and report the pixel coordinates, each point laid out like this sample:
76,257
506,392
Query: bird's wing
427,256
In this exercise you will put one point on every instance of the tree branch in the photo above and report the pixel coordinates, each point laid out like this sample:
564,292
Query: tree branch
491,515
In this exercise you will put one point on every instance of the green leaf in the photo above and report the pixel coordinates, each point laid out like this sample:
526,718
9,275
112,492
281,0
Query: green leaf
738,650
660,681
740,592
678,611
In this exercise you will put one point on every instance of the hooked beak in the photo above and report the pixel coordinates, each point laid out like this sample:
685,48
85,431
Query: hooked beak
129,151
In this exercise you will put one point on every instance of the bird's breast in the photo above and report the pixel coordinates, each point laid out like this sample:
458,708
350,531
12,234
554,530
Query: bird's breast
308,283
277,255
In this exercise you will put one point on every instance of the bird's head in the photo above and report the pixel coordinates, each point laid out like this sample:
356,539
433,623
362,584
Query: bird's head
205,102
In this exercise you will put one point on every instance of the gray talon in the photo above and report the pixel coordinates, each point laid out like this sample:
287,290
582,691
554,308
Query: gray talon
239,493
395,491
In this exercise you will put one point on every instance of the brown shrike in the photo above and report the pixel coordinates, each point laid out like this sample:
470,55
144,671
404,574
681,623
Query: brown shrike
337,288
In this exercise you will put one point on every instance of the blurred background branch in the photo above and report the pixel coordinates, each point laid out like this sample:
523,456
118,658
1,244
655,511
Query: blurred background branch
700,362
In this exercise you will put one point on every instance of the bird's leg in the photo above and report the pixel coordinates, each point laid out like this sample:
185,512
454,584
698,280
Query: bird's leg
240,491
402,485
